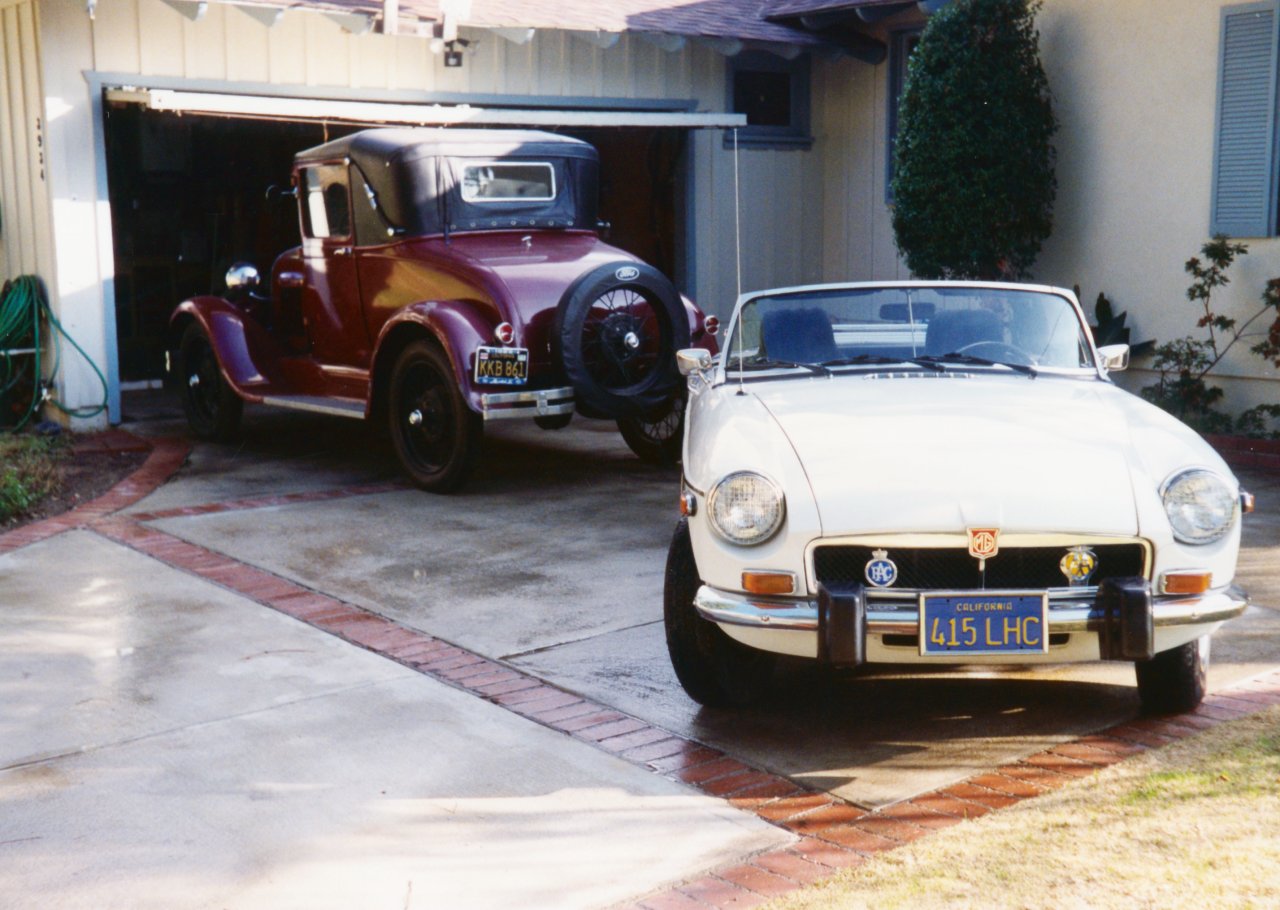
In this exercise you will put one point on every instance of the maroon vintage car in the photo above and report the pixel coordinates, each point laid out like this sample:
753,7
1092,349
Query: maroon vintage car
445,278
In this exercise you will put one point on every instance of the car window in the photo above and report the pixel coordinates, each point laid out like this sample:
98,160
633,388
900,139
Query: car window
499,181
326,212
835,325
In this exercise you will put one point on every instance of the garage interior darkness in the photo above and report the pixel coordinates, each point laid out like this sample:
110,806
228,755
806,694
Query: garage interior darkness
188,198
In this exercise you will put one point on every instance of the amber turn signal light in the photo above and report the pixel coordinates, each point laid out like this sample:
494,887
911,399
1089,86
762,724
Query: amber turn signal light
768,582
1186,582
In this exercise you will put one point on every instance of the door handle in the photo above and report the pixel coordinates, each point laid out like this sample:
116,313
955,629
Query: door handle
292,279
342,251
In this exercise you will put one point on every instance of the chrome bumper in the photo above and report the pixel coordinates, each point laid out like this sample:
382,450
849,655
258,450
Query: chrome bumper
531,403
903,618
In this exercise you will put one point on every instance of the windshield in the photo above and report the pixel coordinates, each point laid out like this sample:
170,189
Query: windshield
928,327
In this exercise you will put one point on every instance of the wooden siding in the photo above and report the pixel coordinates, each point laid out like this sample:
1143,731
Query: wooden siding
784,198
25,244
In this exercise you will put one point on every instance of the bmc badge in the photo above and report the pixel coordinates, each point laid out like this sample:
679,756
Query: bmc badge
627,273
881,570
983,544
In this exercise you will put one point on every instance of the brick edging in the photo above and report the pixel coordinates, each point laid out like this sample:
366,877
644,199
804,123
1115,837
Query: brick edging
831,834
166,455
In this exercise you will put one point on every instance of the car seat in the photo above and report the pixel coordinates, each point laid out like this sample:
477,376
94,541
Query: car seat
798,335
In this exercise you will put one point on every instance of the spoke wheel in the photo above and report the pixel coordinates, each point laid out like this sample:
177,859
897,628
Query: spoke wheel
436,436
714,670
616,333
656,437
212,407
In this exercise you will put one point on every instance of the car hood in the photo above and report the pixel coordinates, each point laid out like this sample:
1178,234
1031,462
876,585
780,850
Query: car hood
936,453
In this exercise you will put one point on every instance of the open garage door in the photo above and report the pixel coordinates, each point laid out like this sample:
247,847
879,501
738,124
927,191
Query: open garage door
188,174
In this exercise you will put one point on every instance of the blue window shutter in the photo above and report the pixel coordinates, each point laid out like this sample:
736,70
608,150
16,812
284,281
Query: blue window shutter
1244,169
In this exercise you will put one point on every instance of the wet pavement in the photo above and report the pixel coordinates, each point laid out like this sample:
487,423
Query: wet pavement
149,727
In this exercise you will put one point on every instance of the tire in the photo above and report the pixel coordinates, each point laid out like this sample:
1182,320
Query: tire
656,437
212,407
553,421
714,670
1173,681
616,333
435,435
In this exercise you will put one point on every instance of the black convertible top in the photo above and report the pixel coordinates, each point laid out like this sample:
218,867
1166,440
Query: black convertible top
414,176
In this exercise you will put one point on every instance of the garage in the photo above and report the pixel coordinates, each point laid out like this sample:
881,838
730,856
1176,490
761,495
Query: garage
195,180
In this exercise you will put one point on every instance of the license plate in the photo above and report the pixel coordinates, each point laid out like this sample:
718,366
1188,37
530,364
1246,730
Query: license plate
502,366
984,622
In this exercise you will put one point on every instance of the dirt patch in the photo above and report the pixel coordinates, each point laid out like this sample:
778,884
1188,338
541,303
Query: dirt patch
82,477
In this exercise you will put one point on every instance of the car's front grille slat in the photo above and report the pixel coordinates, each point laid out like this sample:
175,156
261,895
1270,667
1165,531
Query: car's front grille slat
952,568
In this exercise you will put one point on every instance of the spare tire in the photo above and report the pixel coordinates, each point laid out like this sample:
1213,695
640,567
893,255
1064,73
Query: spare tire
617,330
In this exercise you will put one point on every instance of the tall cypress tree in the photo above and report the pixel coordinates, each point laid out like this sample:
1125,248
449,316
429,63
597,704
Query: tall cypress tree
973,181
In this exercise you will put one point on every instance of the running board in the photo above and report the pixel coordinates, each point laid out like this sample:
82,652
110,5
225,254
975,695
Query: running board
334,407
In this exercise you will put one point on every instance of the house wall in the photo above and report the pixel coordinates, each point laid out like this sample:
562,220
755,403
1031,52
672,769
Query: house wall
148,38
1135,91
25,243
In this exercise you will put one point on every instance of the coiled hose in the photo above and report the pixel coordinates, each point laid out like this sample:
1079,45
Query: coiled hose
22,304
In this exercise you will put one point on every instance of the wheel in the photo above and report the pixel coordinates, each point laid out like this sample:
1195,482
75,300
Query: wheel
714,670
553,421
212,407
656,437
998,351
435,435
1174,681
616,333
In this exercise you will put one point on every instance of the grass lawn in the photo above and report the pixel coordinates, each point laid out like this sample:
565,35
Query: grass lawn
1195,824
28,472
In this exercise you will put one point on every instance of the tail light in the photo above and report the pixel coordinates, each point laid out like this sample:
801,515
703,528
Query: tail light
711,324
505,333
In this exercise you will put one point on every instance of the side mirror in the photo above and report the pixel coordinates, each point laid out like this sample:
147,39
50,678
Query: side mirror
1115,357
693,360
242,276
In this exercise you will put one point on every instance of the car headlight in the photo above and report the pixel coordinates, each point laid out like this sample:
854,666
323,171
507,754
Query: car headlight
746,508
1201,505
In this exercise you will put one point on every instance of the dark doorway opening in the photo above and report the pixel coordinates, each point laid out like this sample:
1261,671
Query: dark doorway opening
188,198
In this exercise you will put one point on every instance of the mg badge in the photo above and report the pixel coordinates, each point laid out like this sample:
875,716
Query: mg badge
881,571
627,273
1078,565
983,544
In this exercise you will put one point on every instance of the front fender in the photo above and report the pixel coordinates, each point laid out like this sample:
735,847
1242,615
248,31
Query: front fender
454,325
241,344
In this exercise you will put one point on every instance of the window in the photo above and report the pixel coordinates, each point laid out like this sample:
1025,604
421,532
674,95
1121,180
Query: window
326,213
505,182
901,46
1245,156
774,94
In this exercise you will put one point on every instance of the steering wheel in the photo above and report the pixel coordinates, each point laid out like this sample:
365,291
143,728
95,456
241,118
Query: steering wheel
998,351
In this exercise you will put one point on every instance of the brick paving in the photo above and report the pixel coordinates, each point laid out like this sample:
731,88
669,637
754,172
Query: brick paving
831,834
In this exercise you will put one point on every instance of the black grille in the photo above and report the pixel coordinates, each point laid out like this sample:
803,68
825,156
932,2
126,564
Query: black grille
955,569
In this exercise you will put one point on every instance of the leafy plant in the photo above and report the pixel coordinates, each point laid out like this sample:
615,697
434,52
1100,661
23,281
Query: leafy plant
1109,326
1185,362
973,177
29,473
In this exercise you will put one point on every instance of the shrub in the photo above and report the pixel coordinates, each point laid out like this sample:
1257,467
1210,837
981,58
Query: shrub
973,164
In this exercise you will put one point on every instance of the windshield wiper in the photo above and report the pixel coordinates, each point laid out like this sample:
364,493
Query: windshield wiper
765,363
1025,369
862,359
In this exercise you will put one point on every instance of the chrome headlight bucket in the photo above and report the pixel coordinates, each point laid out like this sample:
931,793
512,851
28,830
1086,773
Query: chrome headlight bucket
1201,505
746,508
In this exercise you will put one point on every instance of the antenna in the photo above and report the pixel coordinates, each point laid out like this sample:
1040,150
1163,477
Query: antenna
737,245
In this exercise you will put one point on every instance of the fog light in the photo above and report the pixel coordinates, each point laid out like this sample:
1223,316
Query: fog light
505,333
1246,500
768,582
1185,582
688,504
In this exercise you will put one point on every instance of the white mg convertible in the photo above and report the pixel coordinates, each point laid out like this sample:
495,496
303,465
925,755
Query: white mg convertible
939,473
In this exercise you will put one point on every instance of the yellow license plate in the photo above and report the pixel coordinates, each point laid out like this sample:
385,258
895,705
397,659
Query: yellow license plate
502,366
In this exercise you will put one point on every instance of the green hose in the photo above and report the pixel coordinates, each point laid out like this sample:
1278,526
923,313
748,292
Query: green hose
22,303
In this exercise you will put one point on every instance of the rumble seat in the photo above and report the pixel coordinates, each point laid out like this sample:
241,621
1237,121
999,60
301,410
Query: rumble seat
799,335
951,330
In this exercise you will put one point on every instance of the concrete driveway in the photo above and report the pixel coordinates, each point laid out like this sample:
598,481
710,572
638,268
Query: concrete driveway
186,740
